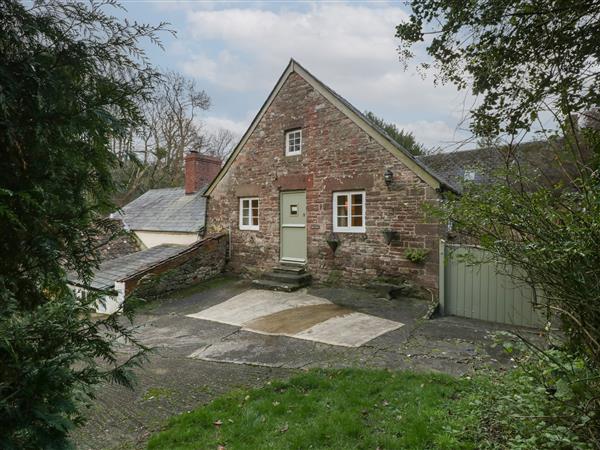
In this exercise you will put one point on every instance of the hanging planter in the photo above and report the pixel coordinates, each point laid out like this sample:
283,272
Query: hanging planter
388,236
333,242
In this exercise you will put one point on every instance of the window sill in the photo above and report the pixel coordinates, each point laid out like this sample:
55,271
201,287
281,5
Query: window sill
350,230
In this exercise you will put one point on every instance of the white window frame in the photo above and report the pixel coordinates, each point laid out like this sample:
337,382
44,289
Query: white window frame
289,152
250,225
349,228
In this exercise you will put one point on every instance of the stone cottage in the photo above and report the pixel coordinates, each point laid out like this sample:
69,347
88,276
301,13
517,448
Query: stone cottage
314,183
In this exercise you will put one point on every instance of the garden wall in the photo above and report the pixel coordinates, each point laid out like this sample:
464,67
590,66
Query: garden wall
202,261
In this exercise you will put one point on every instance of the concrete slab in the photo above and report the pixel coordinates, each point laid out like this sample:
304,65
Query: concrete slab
298,315
245,347
295,320
255,303
352,330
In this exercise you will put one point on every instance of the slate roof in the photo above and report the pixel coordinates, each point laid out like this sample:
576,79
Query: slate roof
538,157
165,210
454,165
129,265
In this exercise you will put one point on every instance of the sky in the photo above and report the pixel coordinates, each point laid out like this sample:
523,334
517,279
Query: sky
236,52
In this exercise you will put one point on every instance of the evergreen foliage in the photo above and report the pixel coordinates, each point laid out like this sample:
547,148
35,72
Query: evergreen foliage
71,77
405,138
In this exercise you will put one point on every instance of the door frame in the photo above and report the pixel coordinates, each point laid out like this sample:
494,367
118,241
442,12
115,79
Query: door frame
292,260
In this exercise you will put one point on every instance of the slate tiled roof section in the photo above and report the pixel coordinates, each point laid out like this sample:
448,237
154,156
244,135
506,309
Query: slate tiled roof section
453,165
126,266
537,157
166,210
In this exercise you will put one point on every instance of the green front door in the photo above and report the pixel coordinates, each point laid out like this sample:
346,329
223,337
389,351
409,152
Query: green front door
293,226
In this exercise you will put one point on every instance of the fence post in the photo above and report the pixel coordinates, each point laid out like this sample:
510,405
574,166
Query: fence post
441,276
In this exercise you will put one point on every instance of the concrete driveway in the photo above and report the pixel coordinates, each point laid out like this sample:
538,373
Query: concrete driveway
198,357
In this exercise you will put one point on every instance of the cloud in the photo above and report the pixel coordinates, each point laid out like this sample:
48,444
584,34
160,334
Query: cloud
337,39
214,123
435,133
226,70
350,47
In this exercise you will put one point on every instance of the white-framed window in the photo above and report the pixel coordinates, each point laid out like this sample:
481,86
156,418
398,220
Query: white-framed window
293,142
349,212
249,213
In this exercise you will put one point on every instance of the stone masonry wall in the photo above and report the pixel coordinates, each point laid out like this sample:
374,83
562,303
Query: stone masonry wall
205,260
336,156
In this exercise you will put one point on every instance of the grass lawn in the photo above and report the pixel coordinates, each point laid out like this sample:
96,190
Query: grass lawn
342,409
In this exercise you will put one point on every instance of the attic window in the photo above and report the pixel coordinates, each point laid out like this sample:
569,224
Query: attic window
293,142
469,175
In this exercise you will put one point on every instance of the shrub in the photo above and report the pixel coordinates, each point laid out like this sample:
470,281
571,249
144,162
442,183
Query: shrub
416,255
550,401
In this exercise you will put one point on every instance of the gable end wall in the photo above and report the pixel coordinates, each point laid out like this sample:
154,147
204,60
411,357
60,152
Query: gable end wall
336,155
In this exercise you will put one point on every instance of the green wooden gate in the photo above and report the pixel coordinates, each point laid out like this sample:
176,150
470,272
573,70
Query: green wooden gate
482,291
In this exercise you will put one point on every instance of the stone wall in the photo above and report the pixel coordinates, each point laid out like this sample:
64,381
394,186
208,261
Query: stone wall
204,260
337,155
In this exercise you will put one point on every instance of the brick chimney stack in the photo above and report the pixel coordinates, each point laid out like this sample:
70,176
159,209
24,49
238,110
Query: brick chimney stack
199,170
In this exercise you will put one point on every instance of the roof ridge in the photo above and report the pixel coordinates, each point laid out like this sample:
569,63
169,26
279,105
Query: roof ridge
345,107
173,188
479,149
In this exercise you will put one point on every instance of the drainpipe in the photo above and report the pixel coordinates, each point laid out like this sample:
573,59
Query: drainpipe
229,239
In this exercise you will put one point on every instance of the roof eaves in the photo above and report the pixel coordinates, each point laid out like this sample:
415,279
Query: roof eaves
242,142
293,66
440,181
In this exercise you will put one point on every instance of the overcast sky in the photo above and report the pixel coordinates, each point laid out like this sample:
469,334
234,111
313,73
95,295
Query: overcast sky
237,50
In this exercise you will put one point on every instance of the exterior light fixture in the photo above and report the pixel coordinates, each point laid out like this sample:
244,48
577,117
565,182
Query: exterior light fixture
388,177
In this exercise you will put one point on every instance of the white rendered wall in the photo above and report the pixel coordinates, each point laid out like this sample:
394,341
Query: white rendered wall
154,238
111,303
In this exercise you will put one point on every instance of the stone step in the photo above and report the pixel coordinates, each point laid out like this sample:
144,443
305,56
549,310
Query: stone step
284,278
274,285
288,277
290,268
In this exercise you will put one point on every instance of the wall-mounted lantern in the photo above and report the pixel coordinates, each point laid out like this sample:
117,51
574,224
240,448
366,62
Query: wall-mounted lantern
388,177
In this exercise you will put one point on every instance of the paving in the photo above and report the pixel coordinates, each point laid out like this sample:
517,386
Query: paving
298,315
196,360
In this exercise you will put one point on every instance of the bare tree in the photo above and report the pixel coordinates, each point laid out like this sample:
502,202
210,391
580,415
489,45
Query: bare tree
153,156
219,143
